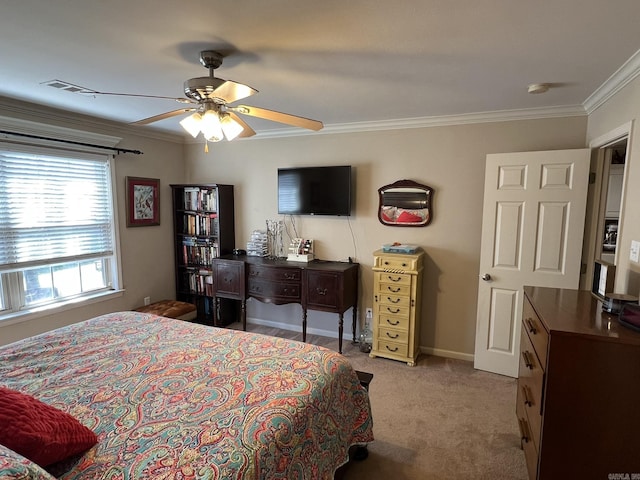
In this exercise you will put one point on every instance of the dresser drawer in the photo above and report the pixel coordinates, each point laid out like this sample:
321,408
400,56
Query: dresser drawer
322,289
530,384
537,333
275,274
278,292
394,300
394,310
529,447
394,289
396,263
394,322
393,348
388,334
393,278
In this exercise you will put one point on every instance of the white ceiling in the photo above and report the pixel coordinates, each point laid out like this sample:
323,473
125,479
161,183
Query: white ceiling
341,62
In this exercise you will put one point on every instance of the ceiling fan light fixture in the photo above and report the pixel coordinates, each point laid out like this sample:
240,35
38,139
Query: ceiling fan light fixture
192,124
230,127
210,126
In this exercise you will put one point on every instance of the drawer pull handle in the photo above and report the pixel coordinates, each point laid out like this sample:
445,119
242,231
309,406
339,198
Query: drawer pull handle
394,290
530,326
404,264
394,300
394,349
397,310
527,360
397,322
289,276
524,430
394,279
254,274
393,337
527,398
321,291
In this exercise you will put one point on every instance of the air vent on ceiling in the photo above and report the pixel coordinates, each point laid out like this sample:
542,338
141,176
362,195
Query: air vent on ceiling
68,87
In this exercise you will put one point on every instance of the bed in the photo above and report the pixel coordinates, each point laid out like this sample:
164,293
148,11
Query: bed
177,400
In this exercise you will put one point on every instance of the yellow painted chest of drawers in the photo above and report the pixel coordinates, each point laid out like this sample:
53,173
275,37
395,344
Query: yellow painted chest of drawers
397,288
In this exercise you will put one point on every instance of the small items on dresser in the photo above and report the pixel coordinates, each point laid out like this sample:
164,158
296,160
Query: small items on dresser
397,290
613,302
258,246
300,250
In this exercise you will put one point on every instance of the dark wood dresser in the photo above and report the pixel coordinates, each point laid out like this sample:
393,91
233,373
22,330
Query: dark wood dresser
316,285
578,401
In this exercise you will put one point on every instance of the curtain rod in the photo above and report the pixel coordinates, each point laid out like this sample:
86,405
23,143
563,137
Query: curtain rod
115,149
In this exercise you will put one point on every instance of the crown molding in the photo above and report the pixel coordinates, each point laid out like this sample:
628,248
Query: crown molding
47,115
616,82
437,121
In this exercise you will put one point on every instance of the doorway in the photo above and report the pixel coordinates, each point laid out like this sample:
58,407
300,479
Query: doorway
603,226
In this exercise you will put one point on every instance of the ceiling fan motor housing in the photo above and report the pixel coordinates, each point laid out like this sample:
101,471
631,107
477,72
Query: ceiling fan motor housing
201,88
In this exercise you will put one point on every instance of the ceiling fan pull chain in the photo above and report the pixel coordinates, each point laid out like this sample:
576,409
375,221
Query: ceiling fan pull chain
206,145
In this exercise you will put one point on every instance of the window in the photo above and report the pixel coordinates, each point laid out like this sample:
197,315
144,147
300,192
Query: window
57,229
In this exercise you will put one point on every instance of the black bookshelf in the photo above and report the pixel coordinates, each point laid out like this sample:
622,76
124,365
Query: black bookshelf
204,229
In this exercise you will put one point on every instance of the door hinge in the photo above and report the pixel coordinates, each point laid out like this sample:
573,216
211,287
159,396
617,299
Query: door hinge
583,268
592,178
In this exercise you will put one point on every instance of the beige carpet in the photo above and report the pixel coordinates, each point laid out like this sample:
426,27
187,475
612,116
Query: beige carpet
441,419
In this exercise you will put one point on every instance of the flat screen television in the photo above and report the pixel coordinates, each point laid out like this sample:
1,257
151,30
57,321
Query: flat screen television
314,190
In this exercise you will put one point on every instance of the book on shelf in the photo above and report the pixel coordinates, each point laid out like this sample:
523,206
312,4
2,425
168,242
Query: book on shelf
200,199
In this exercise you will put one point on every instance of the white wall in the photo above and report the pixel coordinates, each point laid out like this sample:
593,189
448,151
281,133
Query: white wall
624,107
450,159
147,252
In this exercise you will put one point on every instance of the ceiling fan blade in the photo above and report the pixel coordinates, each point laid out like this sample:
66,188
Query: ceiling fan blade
247,130
278,117
176,99
231,91
162,116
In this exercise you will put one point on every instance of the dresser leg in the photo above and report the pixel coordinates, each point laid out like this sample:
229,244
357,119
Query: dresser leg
353,323
243,314
216,311
340,330
304,324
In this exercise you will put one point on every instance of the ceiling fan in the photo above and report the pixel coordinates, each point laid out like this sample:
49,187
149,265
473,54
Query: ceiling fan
213,115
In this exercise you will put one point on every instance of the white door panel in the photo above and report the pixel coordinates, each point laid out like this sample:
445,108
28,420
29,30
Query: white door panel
533,221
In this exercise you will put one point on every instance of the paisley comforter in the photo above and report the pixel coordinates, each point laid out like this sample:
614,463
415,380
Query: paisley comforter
176,400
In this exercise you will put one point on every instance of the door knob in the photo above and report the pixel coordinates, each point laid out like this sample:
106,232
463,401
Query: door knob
486,277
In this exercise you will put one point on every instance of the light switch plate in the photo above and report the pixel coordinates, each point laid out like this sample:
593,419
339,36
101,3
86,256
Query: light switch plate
635,251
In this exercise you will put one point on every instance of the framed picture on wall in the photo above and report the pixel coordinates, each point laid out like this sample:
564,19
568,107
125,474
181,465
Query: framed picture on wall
143,201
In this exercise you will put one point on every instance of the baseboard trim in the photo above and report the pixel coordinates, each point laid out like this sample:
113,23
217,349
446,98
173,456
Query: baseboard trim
438,352
294,328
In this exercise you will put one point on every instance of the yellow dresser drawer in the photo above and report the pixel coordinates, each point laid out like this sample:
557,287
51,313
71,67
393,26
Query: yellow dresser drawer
388,334
393,278
391,299
395,262
394,310
392,321
393,348
385,288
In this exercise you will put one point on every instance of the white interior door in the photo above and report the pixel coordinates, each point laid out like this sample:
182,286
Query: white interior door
532,229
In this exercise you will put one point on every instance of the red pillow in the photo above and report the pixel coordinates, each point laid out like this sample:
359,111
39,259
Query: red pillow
407,216
38,431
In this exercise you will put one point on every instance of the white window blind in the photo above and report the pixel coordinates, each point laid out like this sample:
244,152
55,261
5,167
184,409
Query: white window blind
53,209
